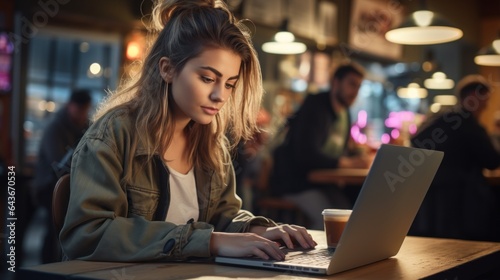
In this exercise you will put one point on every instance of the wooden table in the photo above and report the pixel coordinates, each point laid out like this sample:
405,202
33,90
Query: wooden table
429,258
356,176
339,176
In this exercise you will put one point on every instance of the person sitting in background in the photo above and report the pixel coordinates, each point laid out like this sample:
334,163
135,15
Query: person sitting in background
495,134
59,139
460,203
152,178
317,137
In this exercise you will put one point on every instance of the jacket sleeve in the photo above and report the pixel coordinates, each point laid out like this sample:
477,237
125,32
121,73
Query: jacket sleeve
228,215
98,226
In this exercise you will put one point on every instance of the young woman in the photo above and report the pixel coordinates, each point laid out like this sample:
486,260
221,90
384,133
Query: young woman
152,178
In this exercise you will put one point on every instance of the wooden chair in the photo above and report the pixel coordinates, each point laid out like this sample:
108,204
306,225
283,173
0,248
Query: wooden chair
60,200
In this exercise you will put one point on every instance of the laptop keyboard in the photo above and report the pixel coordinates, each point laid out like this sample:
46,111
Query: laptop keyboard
314,257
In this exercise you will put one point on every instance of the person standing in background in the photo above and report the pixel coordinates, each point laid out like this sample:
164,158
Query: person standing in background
460,203
317,137
59,139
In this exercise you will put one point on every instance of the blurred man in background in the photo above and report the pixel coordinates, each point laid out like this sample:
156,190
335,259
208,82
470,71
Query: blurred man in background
59,139
317,138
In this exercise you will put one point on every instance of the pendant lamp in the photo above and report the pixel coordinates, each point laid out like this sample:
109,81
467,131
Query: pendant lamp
489,55
439,81
445,100
412,91
284,42
423,27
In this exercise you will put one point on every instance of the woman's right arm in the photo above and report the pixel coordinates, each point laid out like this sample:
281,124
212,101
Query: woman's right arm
98,226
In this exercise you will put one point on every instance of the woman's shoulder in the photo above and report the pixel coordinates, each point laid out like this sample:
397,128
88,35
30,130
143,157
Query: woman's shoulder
116,121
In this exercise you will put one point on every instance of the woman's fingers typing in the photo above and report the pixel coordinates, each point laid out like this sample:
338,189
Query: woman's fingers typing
290,234
244,244
301,235
260,243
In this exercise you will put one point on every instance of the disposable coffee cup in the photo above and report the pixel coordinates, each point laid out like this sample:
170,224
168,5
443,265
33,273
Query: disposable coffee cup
335,221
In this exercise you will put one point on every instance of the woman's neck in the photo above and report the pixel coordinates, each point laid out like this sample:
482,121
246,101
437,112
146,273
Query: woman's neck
177,153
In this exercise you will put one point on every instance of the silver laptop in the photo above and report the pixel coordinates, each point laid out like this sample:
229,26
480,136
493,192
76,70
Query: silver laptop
382,215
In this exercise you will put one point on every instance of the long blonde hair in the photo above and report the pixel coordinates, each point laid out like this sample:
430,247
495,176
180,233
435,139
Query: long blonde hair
184,29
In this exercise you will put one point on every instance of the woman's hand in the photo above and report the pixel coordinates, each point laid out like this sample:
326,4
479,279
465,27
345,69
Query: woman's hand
287,233
244,245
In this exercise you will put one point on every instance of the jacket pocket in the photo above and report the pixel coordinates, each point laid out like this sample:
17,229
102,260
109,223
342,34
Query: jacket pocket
142,202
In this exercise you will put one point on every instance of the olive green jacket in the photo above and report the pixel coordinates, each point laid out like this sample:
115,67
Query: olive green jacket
109,219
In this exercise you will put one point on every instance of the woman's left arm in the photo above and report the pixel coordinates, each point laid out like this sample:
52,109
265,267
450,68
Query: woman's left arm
229,217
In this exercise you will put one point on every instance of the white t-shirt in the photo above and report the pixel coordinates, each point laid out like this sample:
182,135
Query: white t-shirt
183,198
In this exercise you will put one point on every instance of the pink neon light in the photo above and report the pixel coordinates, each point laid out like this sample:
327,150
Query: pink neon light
362,118
396,119
395,134
393,122
362,139
355,132
386,138
412,128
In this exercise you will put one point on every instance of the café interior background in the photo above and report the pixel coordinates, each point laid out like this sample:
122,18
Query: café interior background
58,45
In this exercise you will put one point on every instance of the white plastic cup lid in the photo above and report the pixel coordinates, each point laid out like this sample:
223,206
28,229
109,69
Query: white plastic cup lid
336,212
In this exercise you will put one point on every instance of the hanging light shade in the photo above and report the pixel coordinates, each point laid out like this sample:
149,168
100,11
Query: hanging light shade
442,100
423,27
446,100
489,55
284,43
412,91
439,81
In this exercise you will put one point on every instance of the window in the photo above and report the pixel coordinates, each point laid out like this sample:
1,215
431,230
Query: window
60,61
